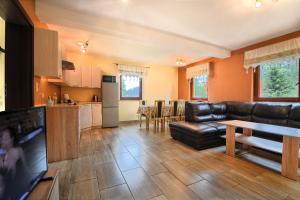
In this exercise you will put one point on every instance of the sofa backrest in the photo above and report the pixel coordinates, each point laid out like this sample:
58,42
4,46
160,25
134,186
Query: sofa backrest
294,116
239,110
271,113
218,111
198,112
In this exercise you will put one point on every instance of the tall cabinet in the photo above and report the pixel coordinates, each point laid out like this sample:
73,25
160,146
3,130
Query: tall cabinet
47,53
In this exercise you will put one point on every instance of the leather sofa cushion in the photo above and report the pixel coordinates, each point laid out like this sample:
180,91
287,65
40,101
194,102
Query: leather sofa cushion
294,117
218,111
193,129
239,111
271,114
221,129
198,112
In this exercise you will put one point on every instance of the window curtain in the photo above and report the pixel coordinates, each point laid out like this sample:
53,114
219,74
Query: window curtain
283,52
132,70
198,70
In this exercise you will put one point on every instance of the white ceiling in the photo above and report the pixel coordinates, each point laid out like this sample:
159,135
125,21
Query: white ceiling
159,31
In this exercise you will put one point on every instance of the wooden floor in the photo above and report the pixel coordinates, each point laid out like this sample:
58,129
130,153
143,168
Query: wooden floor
132,163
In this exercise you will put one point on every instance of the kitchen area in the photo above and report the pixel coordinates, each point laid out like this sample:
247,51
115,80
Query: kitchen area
77,96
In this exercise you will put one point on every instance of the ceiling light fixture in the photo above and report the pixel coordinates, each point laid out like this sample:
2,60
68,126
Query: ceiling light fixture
180,62
83,46
258,3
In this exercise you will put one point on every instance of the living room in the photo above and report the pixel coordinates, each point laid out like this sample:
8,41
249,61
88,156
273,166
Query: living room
128,99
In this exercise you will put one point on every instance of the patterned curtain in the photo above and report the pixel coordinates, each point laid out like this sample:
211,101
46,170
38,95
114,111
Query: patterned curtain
132,70
282,52
198,70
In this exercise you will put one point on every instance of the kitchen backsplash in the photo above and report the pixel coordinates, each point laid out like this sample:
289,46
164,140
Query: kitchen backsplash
81,94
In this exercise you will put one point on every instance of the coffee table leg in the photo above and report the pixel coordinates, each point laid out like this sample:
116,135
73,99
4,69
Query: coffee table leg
230,141
290,153
246,132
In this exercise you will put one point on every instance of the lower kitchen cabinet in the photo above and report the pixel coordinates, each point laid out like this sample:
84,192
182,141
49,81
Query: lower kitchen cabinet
90,115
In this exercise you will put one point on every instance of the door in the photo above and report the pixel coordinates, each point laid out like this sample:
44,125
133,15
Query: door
110,117
110,95
96,114
96,77
86,80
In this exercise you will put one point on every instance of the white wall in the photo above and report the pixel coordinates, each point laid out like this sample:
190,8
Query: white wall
160,83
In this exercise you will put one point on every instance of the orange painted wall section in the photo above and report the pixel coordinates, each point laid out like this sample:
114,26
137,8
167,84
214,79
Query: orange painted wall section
228,80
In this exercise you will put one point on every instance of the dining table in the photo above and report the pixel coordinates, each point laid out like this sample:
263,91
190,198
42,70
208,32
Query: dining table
149,112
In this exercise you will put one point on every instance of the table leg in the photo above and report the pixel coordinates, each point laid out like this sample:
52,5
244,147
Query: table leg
230,140
246,132
290,153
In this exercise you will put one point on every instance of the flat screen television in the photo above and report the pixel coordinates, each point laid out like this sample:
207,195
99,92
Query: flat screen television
23,151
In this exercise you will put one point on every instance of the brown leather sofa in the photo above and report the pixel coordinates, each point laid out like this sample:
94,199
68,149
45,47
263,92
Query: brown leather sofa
201,130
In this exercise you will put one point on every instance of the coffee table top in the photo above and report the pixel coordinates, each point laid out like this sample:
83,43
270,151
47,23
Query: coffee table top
268,128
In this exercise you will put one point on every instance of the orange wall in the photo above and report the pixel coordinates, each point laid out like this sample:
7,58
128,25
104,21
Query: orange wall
42,89
228,80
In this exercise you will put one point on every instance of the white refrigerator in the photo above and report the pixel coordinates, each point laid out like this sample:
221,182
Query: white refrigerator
110,104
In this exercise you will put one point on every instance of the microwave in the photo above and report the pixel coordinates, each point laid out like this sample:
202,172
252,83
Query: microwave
108,79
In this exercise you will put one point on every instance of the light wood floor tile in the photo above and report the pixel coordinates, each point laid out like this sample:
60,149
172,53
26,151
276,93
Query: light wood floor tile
184,174
172,188
82,169
126,161
140,184
108,175
84,190
120,192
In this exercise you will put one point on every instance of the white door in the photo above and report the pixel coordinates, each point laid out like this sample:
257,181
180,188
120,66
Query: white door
96,114
86,76
96,77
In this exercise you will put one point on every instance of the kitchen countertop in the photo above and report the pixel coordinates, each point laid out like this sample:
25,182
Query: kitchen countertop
88,102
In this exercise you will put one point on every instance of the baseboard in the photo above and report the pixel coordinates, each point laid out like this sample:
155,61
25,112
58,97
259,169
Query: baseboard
129,122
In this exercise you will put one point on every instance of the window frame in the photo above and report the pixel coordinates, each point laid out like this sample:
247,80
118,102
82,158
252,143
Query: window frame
192,91
256,89
131,98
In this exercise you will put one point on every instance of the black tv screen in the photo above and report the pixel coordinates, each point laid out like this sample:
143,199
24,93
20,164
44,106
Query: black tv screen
23,151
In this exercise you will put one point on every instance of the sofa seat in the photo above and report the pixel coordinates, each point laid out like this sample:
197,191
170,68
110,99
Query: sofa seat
197,135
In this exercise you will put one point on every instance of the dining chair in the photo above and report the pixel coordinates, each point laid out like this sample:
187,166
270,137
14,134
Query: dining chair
181,105
174,112
159,106
142,114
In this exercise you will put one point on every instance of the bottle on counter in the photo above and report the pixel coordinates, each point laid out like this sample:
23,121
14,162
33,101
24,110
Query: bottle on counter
54,98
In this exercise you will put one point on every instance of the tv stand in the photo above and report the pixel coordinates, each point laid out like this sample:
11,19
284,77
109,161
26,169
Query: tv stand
47,188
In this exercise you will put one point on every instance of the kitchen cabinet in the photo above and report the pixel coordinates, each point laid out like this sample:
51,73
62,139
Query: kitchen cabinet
73,77
96,77
90,115
96,114
86,76
47,53
85,116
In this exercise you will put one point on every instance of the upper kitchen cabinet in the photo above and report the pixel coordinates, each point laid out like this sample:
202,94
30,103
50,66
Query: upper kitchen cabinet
96,77
47,54
86,78
73,78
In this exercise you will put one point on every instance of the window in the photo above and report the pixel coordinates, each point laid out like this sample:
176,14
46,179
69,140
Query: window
130,87
277,81
199,87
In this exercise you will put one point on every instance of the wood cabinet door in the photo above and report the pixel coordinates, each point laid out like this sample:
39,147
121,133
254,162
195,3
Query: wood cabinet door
47,58
85,116
86,76
97,114
96,77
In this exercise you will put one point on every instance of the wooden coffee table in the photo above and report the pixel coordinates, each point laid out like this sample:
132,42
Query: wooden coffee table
289,148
